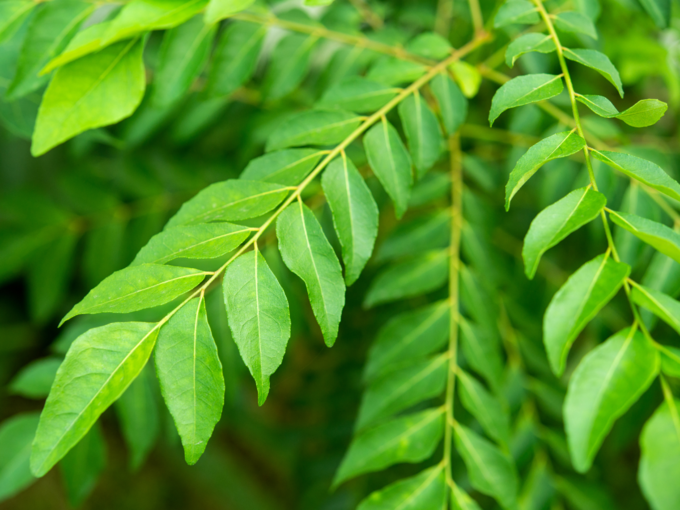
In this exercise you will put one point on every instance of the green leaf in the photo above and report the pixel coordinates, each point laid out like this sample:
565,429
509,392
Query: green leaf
355,214
524,90
557,221
461,501
12,15
407,337
48,33
644,113
453,105
288,65
491,471
137,411
467,77
409,278
516,11
258,315
94,91
402,388
183,53
430,45
659,468
598,61
35,379
559,145
527,43
575,22
659,236
599,105
393,71
577,302
670,360
308,254
190,374
425,490
136,288
659,11
609,380
391,163
486,408
235,57
642,170
82,466
424,136
425,233
662,305
315,127
411,438
98,368
231,200
483,354
16,436
140,16
83,43
220,9
288,167
199,241
357,94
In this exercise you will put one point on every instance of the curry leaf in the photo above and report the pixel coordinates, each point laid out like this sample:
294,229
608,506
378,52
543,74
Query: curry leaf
524,90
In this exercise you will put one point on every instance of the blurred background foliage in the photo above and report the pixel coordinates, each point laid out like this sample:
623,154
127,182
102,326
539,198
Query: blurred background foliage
70,218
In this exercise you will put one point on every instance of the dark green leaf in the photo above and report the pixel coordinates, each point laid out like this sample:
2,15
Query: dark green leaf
425,233
482,352
12,15
287,167
527,43
659,11
357,94
453,105
524,90
82,466
423,491
424,136
316,127
598,61
16,436
393,71
487,409
288,65
516,11
36,378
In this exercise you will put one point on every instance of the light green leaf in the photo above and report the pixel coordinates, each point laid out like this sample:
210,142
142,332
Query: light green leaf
642,170
487,409
136,288
308,254
355,214
357,94
258,315
12,15
48,33
137,411
577,302
516,11
16,436
288,65
644,113
467,77
590,8
659,236
491,471
409,278
287,167
424,491
94,91
662,305
424,136
83,43
527,43
390,162
453,105
199,241
598,61
82,466
557,221
140,16
235,57
98,368
183,53
659,11
430,45
461,501
407,337
315,127
670,360
231,200
575,22
559,145
609,380
524,90
659,467
190,374
411,438
393,71
220,9
424,233
402,388
35,379
482,352
599,105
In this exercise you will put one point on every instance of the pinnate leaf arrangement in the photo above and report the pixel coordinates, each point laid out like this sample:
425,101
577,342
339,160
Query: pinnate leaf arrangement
461,388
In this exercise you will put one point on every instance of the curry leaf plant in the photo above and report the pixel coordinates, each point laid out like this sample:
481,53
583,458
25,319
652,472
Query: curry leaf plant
612,376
